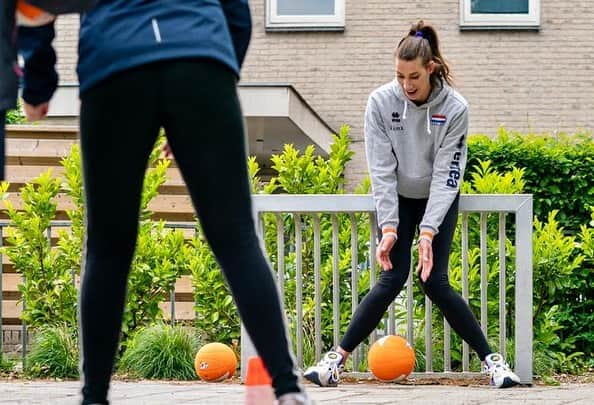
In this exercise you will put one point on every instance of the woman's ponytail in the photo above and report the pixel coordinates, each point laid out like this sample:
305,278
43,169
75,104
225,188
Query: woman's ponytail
422,41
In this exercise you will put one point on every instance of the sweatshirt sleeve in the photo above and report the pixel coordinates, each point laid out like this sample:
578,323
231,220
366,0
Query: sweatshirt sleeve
239,21
382,164
40,78
448,171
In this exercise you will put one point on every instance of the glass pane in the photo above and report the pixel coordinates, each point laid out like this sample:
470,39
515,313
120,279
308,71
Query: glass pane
305,7
499,6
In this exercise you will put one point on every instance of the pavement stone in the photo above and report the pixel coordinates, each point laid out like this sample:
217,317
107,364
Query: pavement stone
160,393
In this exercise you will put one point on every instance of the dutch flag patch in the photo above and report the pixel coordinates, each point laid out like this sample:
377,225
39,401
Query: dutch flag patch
438,119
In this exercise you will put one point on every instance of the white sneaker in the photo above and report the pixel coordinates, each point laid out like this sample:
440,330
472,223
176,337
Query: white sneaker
327,372
501,376
294,398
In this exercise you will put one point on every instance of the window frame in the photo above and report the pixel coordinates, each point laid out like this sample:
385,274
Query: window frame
477,21
275,22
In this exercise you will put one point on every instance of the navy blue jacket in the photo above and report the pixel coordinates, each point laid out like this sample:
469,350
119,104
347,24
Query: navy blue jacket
8,76
40,78
120,34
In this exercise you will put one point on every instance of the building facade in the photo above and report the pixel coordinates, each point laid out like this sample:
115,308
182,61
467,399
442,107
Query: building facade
523,64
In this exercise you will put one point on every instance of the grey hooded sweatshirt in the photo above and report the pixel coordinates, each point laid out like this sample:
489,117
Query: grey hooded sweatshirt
415,151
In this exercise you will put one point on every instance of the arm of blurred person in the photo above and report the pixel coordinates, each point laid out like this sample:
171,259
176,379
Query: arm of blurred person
239,21
40,78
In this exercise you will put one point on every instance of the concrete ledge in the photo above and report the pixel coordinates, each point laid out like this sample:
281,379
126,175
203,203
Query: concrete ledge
276,114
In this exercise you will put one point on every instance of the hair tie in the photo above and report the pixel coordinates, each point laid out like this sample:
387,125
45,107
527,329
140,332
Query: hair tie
419,34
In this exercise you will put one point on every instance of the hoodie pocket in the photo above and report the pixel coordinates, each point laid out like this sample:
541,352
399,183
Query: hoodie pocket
414,187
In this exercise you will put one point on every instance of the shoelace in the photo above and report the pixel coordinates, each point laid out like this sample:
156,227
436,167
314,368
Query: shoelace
497,367
333,367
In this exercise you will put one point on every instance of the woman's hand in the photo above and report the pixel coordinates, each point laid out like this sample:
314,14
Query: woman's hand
425,259
382,253
35,112
166,150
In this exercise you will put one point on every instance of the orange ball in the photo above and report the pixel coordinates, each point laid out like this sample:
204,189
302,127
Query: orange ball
215,362
391,358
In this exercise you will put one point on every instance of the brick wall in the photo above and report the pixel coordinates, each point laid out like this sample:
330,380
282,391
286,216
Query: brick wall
524,80
66,44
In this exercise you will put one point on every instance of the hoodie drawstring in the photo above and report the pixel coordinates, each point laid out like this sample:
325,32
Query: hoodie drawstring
428,116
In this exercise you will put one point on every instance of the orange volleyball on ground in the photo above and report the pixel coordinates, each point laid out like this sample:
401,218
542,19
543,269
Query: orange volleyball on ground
391,358
215,362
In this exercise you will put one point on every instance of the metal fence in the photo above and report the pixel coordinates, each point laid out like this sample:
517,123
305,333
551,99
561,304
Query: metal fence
312,206
24,335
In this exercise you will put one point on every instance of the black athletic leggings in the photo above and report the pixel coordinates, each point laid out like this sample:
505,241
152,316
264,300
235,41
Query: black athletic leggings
437,287
196,102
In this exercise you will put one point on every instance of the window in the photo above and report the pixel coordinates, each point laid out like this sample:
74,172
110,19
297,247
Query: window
294,15
499,14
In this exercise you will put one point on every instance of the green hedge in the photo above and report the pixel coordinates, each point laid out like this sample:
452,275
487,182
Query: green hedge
558,170
16,116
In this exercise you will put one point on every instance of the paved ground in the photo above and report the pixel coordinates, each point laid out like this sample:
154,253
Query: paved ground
158,393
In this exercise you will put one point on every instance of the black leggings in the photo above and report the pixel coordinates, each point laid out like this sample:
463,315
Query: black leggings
196,102
437,287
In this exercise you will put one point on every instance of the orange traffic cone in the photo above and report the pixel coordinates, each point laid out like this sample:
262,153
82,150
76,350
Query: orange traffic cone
258,384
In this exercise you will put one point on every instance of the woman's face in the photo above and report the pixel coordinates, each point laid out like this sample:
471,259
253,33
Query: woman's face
414,78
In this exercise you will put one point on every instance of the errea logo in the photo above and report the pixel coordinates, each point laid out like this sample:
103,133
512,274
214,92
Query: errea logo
395,122
454,174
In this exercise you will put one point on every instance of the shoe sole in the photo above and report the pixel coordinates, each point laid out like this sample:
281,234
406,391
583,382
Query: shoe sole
315,378
508,382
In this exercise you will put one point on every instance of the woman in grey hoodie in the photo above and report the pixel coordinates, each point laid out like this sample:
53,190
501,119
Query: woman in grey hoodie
415,137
